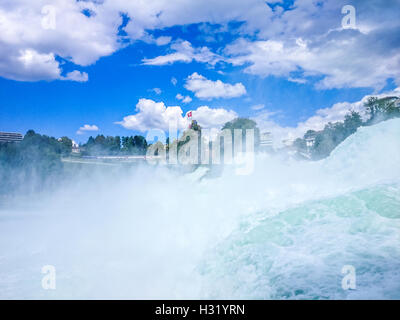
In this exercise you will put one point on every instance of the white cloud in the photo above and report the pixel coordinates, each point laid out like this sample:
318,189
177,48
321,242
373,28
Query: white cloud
184,99
213,118
87,127
157,91
343,59
187,99
153,115
307,38
208,89
258,107
146,15
266,57
162,41
156,115
29,50
297,80
184,52
174,81
29,65
76,76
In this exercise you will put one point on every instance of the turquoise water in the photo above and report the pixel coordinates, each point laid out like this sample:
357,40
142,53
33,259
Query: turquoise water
284,231
344,210
299,252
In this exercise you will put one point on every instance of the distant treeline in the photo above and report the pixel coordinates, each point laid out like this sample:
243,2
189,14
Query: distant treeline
333,134
102,145
137,145
31,165
35,163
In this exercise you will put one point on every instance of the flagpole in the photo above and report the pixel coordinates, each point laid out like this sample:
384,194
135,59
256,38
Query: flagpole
189,115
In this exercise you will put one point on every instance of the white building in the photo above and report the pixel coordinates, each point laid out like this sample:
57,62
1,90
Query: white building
310,142
10,137
75,147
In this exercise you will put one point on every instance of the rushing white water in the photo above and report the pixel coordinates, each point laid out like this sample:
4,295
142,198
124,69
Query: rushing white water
283,232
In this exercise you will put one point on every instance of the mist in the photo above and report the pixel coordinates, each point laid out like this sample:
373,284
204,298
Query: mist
284,230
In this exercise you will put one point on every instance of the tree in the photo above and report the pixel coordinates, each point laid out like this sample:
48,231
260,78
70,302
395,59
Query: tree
134,145
243,124
382,109
327,140
352,122
112,145
109,145
140,144
66,144
32,163
100,140
334,134
127,144
310,134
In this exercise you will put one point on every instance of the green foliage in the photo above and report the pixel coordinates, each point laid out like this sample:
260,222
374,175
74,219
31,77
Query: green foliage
31,163
36,162
134,145
240,123
327,140
334,133
102,145
310,134
382,109
66,144
352,122
243,124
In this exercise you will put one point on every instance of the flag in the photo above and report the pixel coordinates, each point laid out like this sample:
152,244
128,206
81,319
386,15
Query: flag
189,115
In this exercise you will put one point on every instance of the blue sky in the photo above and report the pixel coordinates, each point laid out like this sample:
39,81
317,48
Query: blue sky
281,69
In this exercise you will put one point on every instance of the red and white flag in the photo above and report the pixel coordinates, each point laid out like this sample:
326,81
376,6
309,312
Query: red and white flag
189,115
